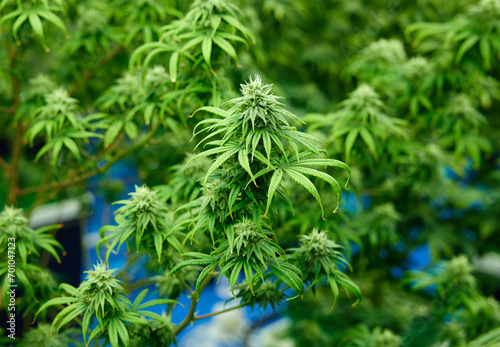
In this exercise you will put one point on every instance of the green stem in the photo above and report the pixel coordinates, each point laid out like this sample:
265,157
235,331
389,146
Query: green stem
92,72
190,316
218,312
179,277
72,181
18,137
140,283
4,164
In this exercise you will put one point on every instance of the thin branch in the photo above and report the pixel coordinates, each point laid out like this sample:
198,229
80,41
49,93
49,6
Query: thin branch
71,181
131,260
190,316
218,312
114,145
18,137
4,164
100,64
140,283
7,109
191,292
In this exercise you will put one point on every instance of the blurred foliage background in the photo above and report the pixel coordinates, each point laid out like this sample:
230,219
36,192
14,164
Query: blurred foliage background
406,93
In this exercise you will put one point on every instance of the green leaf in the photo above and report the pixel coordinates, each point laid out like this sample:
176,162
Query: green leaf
140,297
56,301
484,46
206,49
191,263
56,149
349,142
214,110
17,24
230,237
71,145
156,302
158,244
335,290
466,45
174,58
273,186
112,132
113,332
191,43
52,18
227,47
122,332
245,164
368,139
131,129
69,313
203,275
349,285
306,183
37,26
234,275
146,47
218,162
288,274
235,23
249,275
325,177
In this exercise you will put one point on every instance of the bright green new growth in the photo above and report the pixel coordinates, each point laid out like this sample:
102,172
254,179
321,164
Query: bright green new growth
256,132
27,245
42,336
363,337
252,161
424,102
60,122
101,296
363,116
457,285
377,58
318,257
144,217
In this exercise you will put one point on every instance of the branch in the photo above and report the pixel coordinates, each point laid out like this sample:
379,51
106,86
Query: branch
92,173
18,137
179,277
100,64
190,316
7,110
218,312
4,164
140,283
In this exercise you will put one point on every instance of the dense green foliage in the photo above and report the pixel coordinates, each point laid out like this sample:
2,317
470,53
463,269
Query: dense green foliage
395,101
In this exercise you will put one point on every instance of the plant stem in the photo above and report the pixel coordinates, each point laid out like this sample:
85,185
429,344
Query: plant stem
190,316
4,164
6,110
100,64
184,284
140,283
72,180
218,312
18,137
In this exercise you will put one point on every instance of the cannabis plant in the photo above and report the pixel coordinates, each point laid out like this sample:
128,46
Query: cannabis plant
394,102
